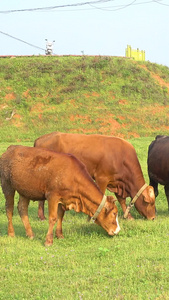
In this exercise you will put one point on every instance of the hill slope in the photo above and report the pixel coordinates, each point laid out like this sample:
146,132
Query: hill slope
106,95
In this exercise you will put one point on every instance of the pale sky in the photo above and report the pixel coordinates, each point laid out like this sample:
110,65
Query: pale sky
91,27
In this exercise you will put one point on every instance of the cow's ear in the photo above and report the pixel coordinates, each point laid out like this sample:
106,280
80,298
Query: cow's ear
150,195
151,192
109,203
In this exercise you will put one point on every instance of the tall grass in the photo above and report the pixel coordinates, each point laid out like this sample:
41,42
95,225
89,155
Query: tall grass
87,264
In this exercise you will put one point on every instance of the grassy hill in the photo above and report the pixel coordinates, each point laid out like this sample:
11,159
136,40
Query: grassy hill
90,94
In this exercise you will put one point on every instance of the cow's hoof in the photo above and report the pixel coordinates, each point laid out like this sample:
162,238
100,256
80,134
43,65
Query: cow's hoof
48,243
60,236
30,235
11,234
41,218
130,218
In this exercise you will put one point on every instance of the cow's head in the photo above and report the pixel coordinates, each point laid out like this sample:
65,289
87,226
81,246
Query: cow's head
145,204
108,217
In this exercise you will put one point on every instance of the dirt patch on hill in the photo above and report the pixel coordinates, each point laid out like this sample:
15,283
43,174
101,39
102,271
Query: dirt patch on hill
108,124
39,107
26,94
123,101
17,120
93,94
157,78
156,109
83,119
10,96
105,125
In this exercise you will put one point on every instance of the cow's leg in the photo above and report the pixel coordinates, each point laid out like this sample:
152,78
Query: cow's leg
123,205
166,188
23,211
155,186
60,215
41,215
9,212
52,208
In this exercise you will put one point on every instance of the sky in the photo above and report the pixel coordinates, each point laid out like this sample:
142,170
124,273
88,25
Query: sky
96,27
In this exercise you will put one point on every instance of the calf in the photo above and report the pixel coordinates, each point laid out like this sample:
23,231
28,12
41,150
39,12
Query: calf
40,174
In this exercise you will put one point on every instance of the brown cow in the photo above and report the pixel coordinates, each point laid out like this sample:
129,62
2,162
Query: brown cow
61,179
111,161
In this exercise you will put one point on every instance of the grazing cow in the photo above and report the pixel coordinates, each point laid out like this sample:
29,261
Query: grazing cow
158,164
62,180
112,162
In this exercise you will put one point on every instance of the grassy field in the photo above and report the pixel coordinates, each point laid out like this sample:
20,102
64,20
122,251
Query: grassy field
88,264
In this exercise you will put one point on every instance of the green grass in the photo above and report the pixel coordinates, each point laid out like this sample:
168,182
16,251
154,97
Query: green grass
87,264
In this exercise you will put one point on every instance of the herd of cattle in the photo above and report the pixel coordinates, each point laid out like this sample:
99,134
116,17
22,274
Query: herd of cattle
73,171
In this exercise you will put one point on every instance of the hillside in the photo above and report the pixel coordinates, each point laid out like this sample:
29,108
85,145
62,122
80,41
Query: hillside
90,94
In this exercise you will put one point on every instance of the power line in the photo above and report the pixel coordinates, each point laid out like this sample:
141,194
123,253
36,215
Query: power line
117,7
158,2
54,7
89,3
22,41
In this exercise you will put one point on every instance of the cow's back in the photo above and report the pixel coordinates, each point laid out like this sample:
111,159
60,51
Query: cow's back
40,169
48,141
158,159
85,147
106,153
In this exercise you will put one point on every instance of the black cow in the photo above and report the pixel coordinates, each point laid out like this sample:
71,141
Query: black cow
158,164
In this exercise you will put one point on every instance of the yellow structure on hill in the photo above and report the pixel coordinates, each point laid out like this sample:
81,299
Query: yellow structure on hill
136,54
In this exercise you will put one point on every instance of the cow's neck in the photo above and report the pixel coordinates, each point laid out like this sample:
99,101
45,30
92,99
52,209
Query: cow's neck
91,199
90,205
135,185
135,179
86,201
